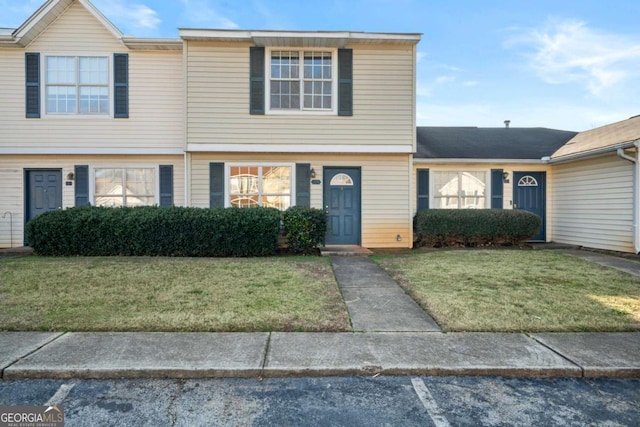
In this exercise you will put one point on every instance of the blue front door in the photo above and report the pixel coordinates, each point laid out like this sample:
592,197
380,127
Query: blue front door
529,194
342,204
43,192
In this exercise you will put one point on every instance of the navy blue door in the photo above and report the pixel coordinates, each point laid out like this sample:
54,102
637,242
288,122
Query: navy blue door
529,194
342,204
43,192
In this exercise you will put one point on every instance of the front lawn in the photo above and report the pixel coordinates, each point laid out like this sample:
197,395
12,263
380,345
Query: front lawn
515,290
170,294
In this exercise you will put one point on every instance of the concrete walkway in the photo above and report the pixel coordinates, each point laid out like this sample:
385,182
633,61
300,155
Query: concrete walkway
619,263
376,303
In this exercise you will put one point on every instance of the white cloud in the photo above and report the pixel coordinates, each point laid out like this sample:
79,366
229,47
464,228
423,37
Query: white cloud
444,79
200,12
570,52
132,17
420,56
470,83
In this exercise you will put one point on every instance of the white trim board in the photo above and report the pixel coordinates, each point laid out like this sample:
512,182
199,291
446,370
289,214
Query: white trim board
300,148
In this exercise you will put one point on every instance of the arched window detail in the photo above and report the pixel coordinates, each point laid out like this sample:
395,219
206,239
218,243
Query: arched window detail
527,181
341,179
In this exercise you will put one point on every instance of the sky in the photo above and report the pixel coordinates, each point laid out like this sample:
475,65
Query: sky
563,64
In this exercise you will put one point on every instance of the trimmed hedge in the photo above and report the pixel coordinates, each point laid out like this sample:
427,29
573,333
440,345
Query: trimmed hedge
154,231
305,228
474,227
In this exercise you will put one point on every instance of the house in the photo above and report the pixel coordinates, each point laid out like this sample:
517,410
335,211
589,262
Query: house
596,190
216,118
480,168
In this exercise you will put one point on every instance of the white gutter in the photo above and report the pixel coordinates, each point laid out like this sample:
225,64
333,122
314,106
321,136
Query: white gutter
477,161
603,150
636,192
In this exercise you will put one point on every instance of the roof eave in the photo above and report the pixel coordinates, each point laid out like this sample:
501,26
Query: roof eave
134,43
266,37
595,152
477,161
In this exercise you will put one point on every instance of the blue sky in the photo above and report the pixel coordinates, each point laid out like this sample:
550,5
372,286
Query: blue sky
565,64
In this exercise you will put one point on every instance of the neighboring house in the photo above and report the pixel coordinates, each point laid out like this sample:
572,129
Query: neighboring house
596,189
88,115
213,119
478,168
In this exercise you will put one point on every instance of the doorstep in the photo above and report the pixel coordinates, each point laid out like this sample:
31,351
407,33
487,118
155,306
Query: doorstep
344,250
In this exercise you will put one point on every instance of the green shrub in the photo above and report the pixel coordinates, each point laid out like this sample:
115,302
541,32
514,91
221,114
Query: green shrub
474,227
154,231
305,228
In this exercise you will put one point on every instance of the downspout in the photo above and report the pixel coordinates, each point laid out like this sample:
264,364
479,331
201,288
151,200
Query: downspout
636,193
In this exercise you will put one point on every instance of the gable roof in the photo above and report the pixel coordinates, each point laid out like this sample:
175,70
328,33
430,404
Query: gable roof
603,139
52,9
489,143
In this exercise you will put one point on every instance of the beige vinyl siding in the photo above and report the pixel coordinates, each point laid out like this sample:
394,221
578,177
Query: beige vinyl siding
156,93
507,195
593,203
12,176
385,189
218,101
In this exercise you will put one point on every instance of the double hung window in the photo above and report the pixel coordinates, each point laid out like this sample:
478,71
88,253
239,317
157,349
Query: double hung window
460,189
268,186
302,80
77,84
125,186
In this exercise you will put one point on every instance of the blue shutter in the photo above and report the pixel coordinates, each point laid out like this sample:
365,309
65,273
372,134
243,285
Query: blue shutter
256,83
166,186
32,81
82,185
216,185
497,188
120,85
345,82
303,185
423,189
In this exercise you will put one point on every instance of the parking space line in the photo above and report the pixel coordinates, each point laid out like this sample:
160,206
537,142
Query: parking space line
59,396
429,403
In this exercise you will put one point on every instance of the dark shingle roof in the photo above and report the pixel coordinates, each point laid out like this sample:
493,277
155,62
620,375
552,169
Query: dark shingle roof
489,143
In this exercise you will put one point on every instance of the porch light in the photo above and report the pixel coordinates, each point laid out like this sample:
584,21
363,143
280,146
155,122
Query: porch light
505,177
70,176
399,238
312,173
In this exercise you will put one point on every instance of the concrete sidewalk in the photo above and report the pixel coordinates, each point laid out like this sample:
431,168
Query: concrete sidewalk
205,355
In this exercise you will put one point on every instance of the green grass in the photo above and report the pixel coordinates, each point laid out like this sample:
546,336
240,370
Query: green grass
516,290
170,294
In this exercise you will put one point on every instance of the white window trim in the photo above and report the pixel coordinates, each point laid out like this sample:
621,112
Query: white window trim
227,178
92,177
487,192
334,82
65,116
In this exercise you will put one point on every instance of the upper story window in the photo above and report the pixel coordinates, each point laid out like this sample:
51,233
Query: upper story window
77,85
301,80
